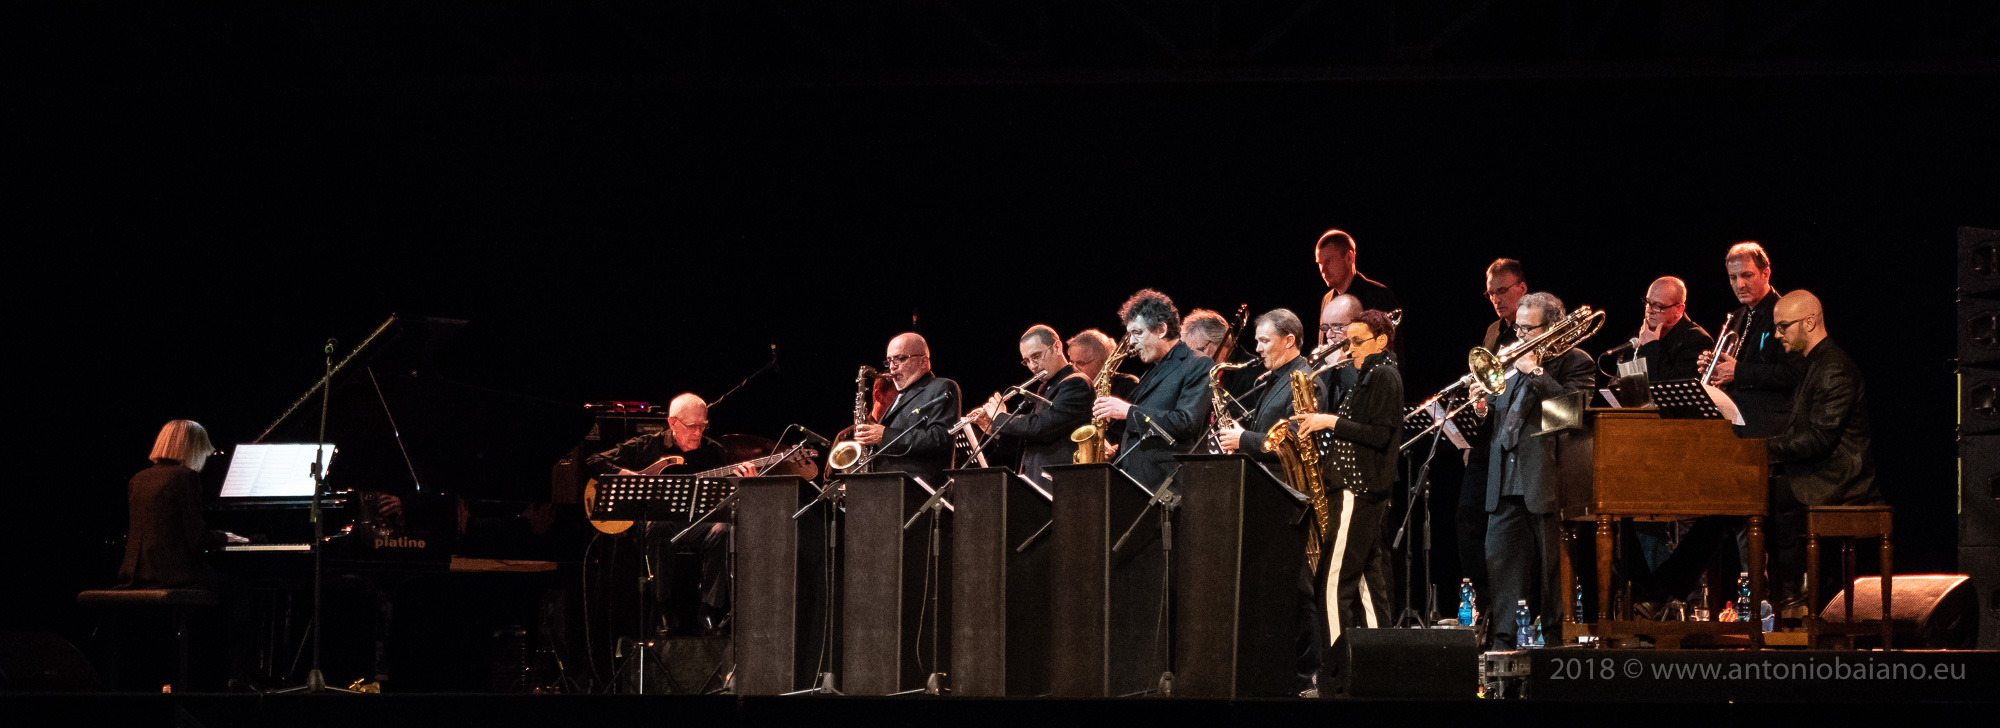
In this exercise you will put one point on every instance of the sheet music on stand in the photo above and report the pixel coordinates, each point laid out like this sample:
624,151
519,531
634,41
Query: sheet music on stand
1463,425
1686,399
658,497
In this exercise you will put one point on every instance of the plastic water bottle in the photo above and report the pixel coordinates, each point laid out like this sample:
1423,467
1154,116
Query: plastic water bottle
1577,589
1538,632
1743,597
1465,602
1524,630
1769,618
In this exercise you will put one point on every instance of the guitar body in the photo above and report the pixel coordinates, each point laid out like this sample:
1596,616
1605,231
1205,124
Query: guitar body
618,527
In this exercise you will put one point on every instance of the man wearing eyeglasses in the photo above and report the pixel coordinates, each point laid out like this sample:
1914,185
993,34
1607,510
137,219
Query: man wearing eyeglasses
1505,284
687,420
1172,397
1334,318
1669,341
1042,428
1521,529
915,433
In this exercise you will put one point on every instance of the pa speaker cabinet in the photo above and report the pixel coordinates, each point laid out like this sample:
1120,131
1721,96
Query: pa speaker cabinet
1978,331
1426,664
1982,563
1978,512
781,603
1979,401
1928,611
1978,261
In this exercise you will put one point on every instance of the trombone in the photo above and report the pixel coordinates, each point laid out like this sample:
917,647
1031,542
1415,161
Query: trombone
1491,371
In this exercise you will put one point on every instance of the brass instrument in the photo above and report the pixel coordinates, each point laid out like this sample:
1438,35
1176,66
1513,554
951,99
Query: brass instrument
1004,395
1726,346
1490,370
848,452
1223,420
1089,438
1322,358
1299,456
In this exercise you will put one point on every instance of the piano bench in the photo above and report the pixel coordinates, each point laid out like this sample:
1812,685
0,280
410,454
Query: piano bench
177,602
1847,524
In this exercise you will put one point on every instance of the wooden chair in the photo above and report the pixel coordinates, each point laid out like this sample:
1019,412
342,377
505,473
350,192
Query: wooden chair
1848,524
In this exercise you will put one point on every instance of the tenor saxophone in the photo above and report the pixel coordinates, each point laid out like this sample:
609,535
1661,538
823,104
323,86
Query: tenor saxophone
1089,438
848,452
1299,456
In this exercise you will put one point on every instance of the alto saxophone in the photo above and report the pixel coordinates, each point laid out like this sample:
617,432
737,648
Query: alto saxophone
1089,438
848,452
1299,456
1222,419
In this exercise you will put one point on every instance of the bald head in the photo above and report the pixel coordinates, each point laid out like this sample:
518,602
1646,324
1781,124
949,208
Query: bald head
1800,323
909,359
1666,303
1335,316
687,418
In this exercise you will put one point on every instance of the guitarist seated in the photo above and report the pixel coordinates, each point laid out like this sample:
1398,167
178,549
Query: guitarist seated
679,448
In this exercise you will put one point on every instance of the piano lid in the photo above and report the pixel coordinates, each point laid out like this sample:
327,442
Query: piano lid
454,437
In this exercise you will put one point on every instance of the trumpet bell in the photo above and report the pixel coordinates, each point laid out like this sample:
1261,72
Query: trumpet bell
845,454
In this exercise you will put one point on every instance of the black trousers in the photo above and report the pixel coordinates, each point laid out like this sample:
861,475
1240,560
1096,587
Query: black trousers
1521,552
711,542
1350,590
1470,525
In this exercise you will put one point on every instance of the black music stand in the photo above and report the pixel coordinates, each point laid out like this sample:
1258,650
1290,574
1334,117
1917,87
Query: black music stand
1104,619
1242,544
1683,399
1415,421
649,499
887,632
786,621
1000,584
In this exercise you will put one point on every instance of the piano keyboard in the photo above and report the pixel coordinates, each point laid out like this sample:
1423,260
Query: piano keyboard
268,547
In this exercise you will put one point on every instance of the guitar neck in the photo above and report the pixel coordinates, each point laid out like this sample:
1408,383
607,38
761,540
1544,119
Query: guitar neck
759,463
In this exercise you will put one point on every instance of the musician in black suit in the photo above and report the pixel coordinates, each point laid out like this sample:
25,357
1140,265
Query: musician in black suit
1521,529
915,433
1335,255
1278,335
687,420
1823,454
167,546
1172,397
1088,350
1669,341
1042,428
1359,422
1762,375
1505,285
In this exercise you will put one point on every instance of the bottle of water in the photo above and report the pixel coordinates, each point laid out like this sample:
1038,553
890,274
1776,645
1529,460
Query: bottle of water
1524,630
1743,597
1465,602
1767,616
1538,632
1577,589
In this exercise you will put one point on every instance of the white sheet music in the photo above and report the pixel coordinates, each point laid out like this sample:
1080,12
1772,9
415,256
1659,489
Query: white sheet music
262,471
1724,404
1450,428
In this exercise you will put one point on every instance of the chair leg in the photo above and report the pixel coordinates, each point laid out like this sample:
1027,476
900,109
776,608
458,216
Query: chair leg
1888,594
1812,590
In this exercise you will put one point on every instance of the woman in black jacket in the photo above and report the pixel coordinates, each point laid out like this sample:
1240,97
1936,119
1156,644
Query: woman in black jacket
166,541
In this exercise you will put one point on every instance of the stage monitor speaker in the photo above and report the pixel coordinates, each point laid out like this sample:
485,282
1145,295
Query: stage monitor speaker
1978,511
1983,564
1413,664
41,662
1978,261
1929,611
1979,401
1978,331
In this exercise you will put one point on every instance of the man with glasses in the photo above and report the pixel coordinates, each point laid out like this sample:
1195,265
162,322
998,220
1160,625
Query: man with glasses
1172,398
1521,529
1334,318
1505,284
1042,428
687,419
914,435
1669,341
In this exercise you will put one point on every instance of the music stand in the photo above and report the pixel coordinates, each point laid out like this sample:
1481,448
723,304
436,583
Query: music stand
1683,399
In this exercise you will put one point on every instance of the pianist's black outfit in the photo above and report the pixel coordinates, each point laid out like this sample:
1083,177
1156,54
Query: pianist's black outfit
167,542
1358,466
1521,528
1674,354
641,452
1173,395
916,430
1043,429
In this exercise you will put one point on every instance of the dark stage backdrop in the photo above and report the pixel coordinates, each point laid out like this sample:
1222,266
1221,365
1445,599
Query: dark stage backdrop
190,250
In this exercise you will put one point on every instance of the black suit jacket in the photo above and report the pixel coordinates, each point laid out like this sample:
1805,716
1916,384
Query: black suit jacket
1673,355
1765,374
1824,448
166,540
1174,394
1043,431
916,432
1517,416
1273,405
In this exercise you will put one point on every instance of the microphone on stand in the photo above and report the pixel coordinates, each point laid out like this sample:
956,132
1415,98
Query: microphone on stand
814,436
1632,345
1157,431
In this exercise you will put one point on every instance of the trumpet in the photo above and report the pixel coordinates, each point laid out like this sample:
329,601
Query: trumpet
1322,358
1490,371
1727,346
1004,395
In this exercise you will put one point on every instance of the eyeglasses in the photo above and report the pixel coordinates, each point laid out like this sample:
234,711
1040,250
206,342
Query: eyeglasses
1523,331
696,426
1502,291
1328,329
1034,358
1652,305
1782,325
1353,343
892,362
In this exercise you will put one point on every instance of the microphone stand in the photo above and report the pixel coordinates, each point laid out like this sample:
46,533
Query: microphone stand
936,683
1420,497
316,680
769,365
1168,500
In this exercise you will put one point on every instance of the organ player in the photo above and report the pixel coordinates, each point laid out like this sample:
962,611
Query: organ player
1169,408
914,435
1359,471
1521,529
1043,429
